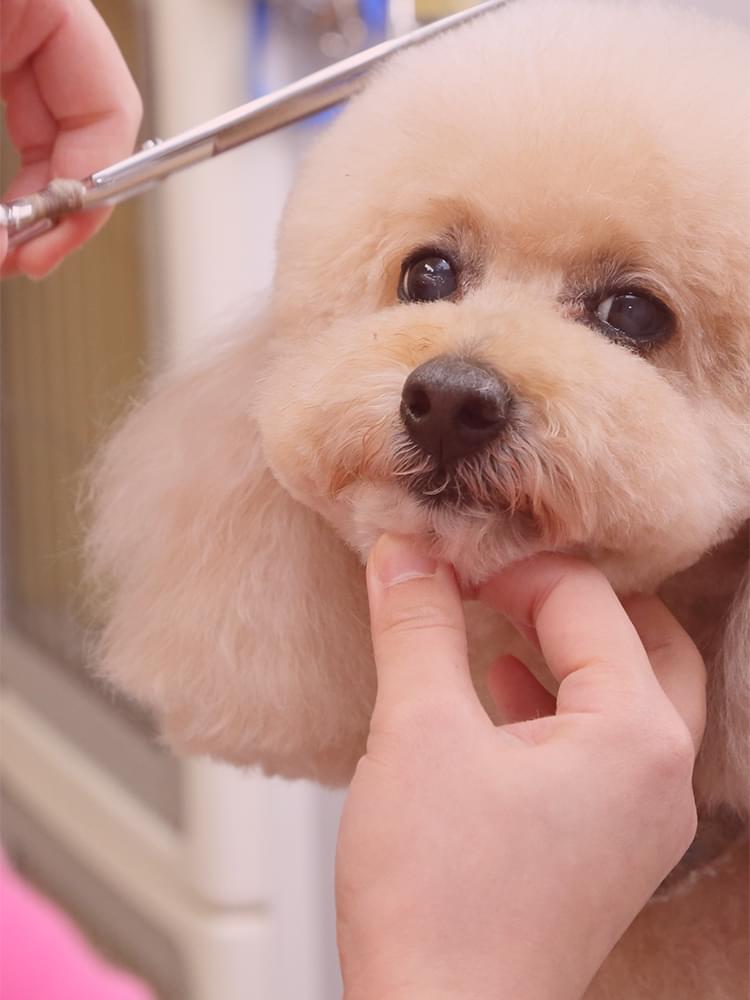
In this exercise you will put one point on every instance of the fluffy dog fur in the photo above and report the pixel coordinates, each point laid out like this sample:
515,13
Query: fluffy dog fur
557,150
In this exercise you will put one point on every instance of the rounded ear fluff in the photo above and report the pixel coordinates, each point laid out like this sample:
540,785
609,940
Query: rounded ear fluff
232,611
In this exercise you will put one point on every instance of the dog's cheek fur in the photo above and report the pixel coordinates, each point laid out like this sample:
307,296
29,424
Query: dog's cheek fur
328,409
233,612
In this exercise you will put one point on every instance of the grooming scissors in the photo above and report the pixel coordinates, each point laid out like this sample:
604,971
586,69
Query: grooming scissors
29,216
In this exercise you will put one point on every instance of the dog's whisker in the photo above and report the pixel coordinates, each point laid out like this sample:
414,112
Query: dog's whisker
441,488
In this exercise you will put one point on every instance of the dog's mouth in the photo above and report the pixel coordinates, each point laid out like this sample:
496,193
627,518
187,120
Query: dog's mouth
446,488
478,485
507,486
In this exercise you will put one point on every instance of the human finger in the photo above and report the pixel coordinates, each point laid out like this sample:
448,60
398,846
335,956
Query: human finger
675,659
417,622
40,256
516,693
72,108
64,76
581,627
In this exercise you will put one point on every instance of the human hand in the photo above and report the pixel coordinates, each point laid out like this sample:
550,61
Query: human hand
477,861
71,108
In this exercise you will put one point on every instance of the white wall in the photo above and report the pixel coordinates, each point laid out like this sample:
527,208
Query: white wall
737,10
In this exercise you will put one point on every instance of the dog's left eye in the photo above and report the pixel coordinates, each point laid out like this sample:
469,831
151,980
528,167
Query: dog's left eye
427,277
635,316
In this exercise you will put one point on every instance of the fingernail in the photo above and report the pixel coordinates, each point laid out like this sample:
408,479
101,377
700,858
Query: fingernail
397,558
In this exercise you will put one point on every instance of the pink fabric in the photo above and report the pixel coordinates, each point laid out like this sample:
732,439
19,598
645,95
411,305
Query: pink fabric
44,957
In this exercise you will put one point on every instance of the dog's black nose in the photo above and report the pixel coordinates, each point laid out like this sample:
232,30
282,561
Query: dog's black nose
452,408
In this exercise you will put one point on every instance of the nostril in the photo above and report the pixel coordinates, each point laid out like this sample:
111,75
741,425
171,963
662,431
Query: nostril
417,403
479,414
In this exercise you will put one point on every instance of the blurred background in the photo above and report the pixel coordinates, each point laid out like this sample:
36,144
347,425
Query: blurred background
209,883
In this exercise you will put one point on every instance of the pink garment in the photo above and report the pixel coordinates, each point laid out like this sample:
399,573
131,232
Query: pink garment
44,957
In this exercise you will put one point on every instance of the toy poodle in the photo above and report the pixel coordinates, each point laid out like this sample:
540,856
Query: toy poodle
511,313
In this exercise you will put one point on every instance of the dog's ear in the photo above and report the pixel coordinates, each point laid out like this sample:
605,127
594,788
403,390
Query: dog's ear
723,768
232,611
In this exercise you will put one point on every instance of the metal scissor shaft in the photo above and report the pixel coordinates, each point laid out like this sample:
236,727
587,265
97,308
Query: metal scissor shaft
27,217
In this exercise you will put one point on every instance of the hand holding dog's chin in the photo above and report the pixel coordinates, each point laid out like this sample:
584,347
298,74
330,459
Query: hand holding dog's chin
477,861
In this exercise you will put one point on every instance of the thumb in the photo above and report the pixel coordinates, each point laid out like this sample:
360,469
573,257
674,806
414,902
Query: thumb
417,623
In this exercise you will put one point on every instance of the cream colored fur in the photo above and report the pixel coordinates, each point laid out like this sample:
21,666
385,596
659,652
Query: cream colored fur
554,144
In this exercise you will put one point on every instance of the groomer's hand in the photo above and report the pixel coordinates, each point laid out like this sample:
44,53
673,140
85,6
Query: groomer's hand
71,108
477,861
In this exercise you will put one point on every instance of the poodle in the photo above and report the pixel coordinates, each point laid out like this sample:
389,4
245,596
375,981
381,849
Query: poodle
511,313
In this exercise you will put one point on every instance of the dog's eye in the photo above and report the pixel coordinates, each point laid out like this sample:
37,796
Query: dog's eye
427,277
634,316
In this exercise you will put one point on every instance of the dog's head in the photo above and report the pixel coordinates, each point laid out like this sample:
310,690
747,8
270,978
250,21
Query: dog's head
512,307
511,313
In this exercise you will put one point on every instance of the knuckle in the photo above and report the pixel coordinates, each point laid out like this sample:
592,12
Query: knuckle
680,826
664,788
672,755
689,824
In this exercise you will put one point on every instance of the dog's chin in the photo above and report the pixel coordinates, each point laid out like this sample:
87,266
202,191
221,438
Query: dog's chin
479,537
477,541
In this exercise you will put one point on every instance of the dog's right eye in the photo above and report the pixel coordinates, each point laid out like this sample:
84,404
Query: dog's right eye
427,277
636,317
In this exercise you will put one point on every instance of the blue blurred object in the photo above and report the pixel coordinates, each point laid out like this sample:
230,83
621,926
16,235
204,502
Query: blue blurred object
264,21
260,29
374,13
